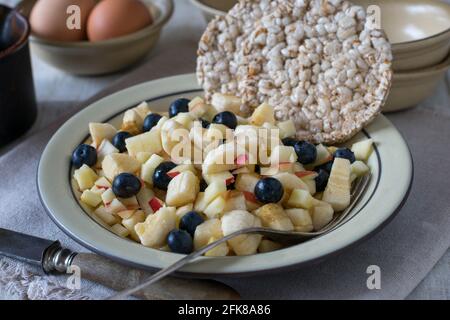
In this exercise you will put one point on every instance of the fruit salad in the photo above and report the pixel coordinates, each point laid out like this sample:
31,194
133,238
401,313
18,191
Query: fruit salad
180,180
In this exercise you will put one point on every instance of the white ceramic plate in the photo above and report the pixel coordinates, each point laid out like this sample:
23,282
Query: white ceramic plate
391,165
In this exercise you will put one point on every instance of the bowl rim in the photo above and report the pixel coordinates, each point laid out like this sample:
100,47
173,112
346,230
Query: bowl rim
207,8
162,19
438,68
399,45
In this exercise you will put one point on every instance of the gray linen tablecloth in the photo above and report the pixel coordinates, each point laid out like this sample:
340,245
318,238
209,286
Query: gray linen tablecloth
406,250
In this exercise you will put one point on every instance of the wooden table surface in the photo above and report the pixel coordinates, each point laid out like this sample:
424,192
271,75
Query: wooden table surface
58,92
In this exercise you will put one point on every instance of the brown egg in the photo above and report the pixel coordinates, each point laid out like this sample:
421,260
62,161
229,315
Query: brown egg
115,18
53,19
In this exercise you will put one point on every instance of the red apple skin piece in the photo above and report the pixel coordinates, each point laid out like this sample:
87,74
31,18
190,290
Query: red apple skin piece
155,204
103,187
242,160
302,174
249,196
173,174
229,181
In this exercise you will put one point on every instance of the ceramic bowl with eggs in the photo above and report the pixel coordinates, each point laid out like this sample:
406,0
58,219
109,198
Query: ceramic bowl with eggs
91,37
419,31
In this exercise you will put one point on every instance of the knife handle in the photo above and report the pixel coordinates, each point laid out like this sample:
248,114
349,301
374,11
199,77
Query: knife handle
118,277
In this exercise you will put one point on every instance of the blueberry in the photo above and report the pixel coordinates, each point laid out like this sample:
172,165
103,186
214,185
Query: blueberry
150,121
290,142
346,154
306,152
190,221
326,166
119,140
321,180
269,190
180,105
205,123
203,185
160,178
84,154
226,118
180,241
126,185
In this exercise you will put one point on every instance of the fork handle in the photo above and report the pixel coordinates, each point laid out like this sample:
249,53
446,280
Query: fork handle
119,277
177,265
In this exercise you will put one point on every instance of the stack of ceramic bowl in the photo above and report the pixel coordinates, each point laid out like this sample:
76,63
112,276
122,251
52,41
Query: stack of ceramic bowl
419,31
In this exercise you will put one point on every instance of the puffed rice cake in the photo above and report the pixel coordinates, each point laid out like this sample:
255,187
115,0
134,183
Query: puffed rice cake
318,62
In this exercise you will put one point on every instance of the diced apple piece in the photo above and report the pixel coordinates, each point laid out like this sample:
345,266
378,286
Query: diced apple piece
321,216
198,108
269,246
247,182
97,190
167,135
337,192
273,216
117,163
132,122
106,216
145,142
148,168
235,201
85,177
323,156
283,154
105,149
301,219
263,113
182,168
125,214
144,197
219,251
311,183
224,176
300,199
216,132
290,181
143,110
215,189
103,183
100,132
363,149
182,189
359,168
132,221
237,220
143,157
91,198
130,203
216,208
108,196
185,119
226,102
120,230
115,206
204,232
200,203
154,230
287,129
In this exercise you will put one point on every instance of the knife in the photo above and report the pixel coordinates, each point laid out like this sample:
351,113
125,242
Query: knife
51,257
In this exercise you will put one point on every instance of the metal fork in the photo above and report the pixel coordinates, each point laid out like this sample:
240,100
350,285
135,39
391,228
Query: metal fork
285,237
